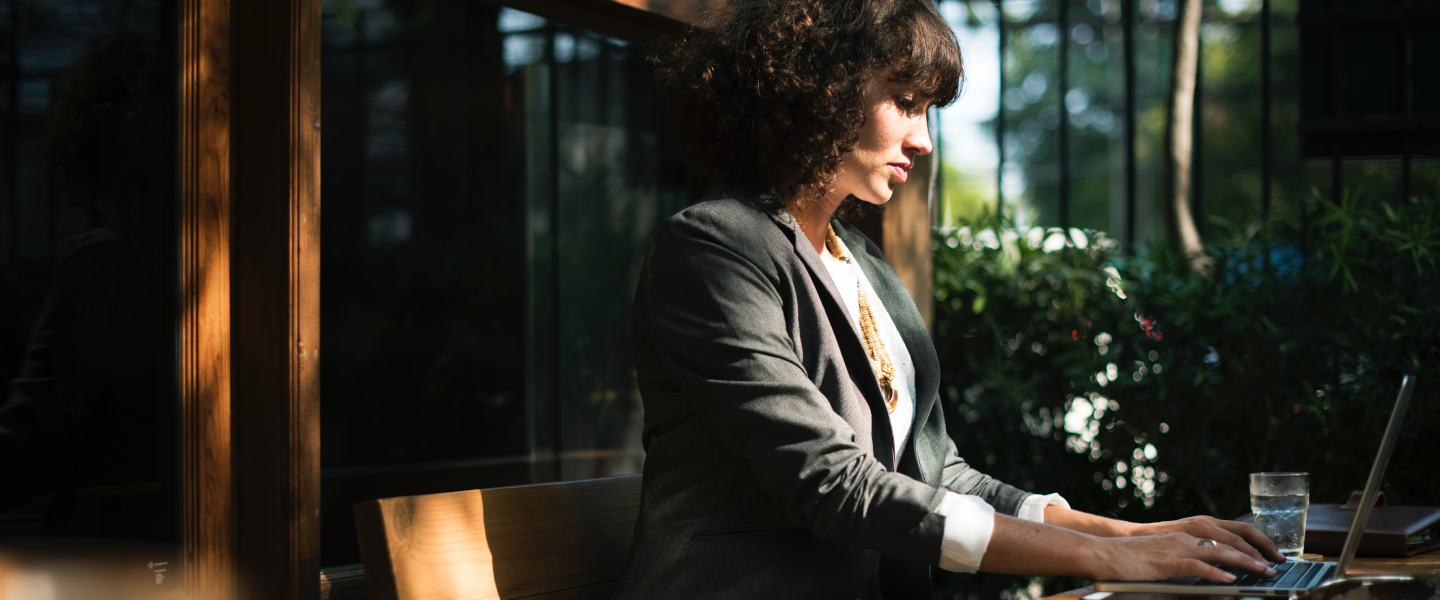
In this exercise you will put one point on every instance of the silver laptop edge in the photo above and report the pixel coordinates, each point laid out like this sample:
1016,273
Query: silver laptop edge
1377,473
1352,539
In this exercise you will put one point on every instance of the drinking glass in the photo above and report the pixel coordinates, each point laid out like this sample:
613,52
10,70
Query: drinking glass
1279,501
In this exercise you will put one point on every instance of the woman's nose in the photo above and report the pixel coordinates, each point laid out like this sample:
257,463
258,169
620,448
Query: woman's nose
918,139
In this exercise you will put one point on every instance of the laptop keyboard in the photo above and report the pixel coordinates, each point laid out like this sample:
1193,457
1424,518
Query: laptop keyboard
1288,575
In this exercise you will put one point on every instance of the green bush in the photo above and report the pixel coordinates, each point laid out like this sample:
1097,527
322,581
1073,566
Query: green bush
1137,388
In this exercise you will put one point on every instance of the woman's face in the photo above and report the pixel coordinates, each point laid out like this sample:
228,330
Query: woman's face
896,130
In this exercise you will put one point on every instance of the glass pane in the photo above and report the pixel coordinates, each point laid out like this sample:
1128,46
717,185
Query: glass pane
1373,180
1096,101
1230,150
1296,182
1425,70
492,182
87,200
1032,110
969,152
1425,179
612,196
1154,51
423,230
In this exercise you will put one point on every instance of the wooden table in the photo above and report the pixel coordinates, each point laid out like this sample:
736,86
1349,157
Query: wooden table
1425,565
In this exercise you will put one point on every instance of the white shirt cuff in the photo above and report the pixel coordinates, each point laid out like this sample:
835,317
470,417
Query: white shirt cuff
969,522
1034,507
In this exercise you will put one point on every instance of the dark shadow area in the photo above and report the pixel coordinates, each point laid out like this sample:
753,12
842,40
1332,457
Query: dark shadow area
88,431
492,183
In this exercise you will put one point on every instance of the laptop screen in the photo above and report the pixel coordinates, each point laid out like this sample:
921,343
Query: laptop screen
1377,473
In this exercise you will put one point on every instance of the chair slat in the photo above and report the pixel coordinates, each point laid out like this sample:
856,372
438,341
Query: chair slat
502,543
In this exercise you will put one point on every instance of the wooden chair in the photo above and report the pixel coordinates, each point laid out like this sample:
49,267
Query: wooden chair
554,541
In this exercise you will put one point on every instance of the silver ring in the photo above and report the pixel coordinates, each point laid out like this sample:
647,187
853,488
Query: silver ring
1206,543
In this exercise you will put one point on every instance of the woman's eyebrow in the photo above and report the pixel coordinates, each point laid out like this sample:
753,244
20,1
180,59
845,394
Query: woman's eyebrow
901,85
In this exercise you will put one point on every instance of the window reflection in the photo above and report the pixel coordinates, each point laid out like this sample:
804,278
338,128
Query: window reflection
87,418
492,182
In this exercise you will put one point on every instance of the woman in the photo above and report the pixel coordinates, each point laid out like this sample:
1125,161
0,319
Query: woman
794,445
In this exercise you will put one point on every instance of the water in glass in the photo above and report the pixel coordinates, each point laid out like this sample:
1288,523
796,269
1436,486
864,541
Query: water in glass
1282,519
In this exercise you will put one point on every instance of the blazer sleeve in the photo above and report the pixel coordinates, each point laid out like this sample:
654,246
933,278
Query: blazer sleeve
717,322
959,477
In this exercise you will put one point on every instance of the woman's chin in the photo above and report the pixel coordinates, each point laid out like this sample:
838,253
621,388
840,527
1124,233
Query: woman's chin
876,198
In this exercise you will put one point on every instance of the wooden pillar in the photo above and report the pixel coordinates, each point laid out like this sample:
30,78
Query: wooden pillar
276,321
906,237
207,500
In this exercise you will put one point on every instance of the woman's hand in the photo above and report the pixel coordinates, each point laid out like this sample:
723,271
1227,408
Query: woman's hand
1028,548
1242,537
1160,557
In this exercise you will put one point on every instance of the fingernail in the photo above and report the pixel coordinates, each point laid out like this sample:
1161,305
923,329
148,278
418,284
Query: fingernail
1229,578
1269,572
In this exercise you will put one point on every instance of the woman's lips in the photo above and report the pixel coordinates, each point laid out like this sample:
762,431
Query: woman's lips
900,169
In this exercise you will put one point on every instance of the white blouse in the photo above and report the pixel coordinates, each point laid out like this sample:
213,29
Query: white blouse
848,280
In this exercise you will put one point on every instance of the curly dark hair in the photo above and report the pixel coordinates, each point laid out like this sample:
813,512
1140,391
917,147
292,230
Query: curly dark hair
768,94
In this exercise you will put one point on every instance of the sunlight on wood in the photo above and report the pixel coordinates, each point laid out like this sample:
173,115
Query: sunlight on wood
499,544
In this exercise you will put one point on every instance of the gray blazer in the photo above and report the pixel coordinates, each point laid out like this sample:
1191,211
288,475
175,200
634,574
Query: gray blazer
770,470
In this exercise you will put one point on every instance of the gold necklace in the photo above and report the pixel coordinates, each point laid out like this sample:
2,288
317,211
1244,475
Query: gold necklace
869,333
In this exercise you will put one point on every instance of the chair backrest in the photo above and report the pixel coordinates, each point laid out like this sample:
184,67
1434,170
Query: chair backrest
563,540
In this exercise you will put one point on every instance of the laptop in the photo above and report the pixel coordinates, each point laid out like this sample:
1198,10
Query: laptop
1293,576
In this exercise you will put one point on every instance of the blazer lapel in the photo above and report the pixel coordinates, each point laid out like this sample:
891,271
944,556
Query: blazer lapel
857,363
907,321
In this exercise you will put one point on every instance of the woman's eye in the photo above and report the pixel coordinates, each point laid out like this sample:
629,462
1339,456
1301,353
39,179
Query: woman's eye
908,105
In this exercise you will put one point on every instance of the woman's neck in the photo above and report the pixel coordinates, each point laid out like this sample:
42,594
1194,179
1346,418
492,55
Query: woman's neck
814,217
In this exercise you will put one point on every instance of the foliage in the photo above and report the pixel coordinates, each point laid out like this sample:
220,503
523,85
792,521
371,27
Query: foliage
962,195
1138,388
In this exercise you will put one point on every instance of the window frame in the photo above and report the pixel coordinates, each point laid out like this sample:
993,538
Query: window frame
248,297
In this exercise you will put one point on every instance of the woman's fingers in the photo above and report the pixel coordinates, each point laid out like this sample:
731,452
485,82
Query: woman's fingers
1233,540
1233,534
1200,568
1256,539
1226,555
1160,557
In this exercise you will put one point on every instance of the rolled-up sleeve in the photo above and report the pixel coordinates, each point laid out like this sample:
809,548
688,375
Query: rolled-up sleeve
1033,509
969,523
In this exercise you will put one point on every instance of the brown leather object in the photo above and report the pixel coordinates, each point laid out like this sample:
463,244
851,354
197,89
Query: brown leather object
1354,503
1386,534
